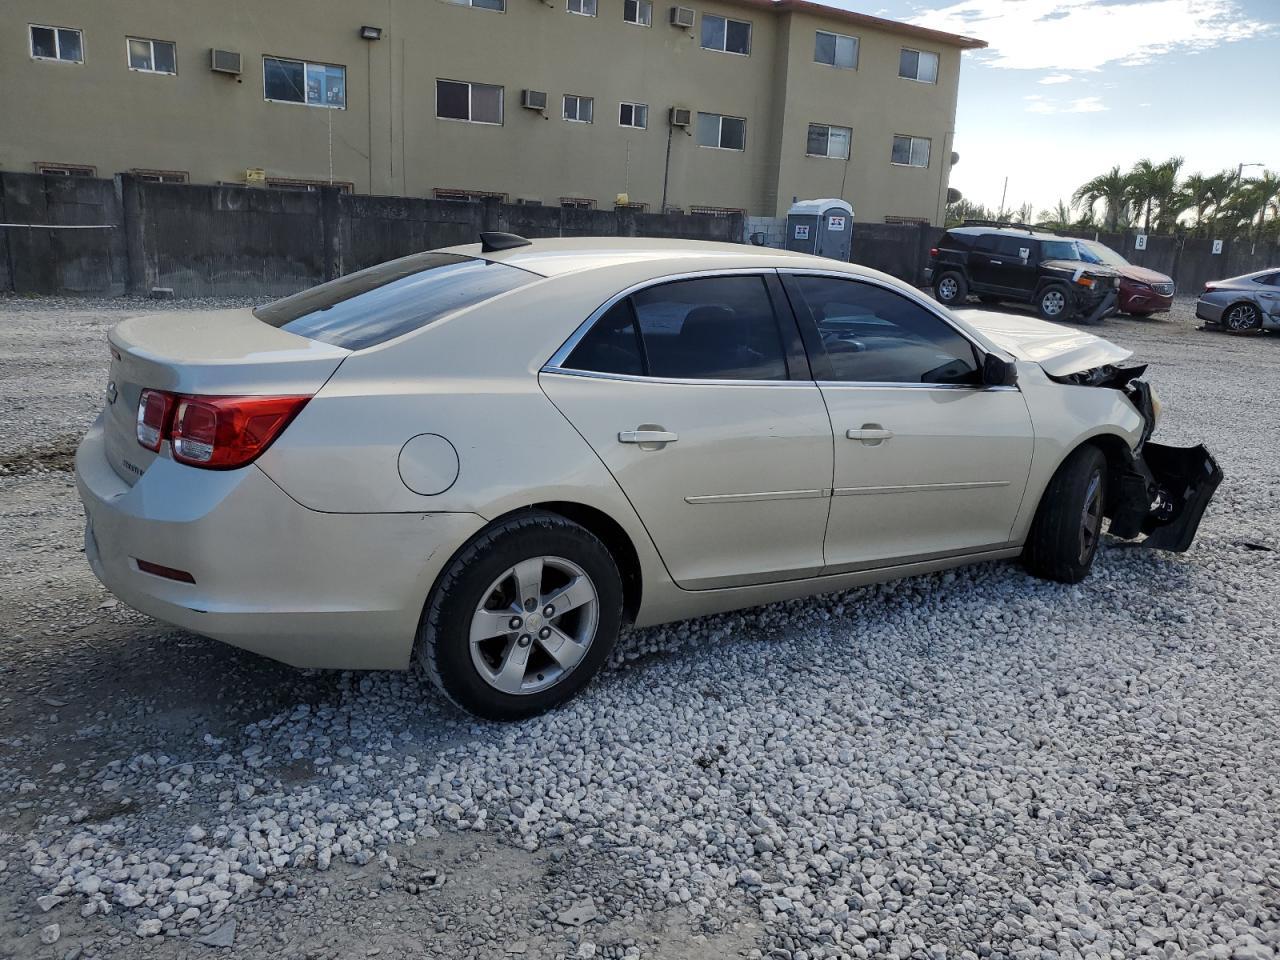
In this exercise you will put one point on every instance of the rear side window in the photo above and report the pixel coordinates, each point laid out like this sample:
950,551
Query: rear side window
873,335
1022,247
986,243
394,298
712,328
956,241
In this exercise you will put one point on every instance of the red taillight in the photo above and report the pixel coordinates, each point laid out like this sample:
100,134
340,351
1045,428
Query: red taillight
219,433
1209,288
934,253
154,408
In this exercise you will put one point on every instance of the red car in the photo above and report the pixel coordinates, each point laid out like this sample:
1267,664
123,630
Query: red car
1142,291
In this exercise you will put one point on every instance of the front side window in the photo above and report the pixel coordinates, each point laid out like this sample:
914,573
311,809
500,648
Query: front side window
874,335
633,115
474,102
911,151
725,35
298,81
374,305
836,50
639,12
585,8
578,109
918,65
57,43
152,56
724,133
1057,249
828,141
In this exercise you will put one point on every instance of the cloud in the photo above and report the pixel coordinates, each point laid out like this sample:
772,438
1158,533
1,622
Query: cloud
1090,34
1057,78
1086,105
1038,103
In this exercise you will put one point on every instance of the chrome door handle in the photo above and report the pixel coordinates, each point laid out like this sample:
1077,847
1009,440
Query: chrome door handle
647,436
871,433
996,262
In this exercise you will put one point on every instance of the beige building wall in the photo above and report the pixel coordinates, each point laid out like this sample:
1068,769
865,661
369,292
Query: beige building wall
388,139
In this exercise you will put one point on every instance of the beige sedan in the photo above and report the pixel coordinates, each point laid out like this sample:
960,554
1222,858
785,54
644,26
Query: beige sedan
487,459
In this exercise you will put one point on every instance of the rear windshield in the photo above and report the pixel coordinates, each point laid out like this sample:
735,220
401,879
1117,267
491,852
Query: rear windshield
374,305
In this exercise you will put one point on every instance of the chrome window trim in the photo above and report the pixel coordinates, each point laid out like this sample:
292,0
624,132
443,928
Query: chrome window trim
676,381
905,385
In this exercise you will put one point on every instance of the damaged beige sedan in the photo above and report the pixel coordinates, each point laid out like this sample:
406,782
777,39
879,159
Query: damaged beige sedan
487,459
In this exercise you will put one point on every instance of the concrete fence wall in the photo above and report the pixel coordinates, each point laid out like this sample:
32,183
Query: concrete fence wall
204,240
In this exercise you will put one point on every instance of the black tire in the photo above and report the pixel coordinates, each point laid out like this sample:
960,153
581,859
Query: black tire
1055,302
1241,317
1060,545
444,649
950,288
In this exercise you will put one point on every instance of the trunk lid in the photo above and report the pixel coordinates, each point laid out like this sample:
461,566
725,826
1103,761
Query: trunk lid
220,352
1059,350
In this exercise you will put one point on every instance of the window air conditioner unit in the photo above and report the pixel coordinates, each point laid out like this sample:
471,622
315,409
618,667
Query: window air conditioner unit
224,61
681,116
533,99
682,17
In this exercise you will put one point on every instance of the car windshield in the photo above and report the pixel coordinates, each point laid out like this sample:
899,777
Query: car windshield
1092,251
372,306
1059,250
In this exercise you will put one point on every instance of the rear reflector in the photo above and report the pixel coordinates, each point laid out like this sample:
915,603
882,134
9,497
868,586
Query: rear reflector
219,433
169,573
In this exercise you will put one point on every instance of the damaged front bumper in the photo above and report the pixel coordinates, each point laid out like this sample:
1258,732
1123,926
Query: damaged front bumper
1162,493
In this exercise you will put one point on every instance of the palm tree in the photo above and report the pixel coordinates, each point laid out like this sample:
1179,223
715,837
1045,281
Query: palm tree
1058,218
1168,196
1111,187
1198,192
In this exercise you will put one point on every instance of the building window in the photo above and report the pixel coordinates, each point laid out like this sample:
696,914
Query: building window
918,65
911,151
66,169
836,50
633,115
57,43
152,56
584,8
498,5
577,203
473,102
716,211
306,186
578,109
724,133
161,176
638,12
828,141
297,81
728,36
467,196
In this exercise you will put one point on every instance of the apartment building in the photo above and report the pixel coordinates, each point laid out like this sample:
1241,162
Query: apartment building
707,107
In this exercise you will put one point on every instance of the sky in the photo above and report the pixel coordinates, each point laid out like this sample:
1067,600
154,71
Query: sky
1069,88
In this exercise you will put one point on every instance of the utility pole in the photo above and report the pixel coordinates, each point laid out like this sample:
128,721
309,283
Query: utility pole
1000,213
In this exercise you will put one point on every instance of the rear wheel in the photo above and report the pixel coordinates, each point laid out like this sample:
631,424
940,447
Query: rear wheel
1067,527
1054,302
523,617
950,288
1242,318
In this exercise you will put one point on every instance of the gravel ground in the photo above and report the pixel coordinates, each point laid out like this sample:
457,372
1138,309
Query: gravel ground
970,764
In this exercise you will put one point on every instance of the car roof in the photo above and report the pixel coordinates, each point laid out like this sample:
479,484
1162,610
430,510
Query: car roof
562,255
1007,232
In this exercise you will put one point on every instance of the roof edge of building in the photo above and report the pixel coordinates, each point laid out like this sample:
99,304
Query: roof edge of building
867,20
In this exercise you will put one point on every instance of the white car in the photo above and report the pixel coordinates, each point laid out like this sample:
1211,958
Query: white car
488,458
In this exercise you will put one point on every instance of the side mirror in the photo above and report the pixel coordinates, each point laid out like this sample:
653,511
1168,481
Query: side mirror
998,372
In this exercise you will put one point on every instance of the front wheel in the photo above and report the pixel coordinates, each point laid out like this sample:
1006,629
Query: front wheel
522,618
1067,527
1054,302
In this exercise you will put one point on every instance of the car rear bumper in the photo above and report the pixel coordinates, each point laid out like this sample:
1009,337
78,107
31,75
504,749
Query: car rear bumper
271,576
1209,311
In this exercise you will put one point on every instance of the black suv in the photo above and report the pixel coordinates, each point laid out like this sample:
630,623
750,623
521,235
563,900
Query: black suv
1005,262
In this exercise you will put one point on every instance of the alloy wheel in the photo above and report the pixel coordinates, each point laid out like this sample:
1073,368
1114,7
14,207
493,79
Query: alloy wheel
1240,318
1053,303
534,624
1091,518
948,288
